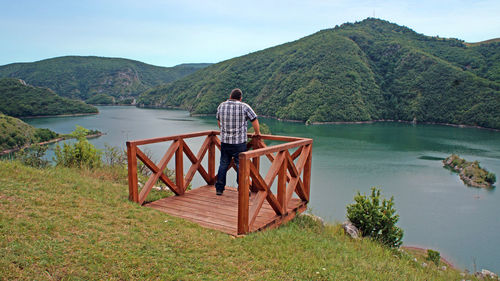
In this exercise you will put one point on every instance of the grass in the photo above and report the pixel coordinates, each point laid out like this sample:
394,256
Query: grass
71,224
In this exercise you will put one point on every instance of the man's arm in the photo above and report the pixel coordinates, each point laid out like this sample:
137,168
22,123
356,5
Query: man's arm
218,123
256,126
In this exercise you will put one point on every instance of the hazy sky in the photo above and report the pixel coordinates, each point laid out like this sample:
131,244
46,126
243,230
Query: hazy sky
168,33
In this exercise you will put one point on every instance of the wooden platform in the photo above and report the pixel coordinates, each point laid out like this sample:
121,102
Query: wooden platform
281,191
203,207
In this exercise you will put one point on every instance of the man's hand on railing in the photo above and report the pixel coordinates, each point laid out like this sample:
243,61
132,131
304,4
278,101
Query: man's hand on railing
256,127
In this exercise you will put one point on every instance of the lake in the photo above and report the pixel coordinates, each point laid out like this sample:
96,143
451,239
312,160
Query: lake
436,209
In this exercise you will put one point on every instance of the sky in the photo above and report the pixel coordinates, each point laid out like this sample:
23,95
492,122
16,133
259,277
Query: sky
168,33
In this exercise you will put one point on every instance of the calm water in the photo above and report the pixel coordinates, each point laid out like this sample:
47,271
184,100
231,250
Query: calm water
437,211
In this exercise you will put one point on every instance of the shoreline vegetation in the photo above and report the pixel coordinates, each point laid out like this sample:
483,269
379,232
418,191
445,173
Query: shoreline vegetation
64,137
58,115
115,104
351,122
470,173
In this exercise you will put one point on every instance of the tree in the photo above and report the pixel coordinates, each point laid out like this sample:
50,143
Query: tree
376,219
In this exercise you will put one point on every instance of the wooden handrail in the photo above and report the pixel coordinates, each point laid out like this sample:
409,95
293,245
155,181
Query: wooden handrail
170,138
293,177
274,148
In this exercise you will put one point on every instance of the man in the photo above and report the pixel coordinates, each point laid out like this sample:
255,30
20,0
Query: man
232,116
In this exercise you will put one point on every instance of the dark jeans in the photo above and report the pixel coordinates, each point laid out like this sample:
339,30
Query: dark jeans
228,152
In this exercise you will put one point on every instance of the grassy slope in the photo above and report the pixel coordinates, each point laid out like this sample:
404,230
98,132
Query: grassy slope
82,77
18,99
77,224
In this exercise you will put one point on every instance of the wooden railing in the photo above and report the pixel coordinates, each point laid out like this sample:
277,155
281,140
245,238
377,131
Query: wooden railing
293,176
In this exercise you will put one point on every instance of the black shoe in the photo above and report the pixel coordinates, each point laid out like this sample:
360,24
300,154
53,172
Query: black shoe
219,192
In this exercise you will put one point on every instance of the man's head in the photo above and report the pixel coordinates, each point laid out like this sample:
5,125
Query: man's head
235,94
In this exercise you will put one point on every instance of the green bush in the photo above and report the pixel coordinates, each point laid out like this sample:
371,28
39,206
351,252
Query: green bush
376,219
33,156
80,154
491,178
433,256
115,156
457,162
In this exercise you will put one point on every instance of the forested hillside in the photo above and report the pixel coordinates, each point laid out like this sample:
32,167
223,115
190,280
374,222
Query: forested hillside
19,99
83,77
371,70
14,133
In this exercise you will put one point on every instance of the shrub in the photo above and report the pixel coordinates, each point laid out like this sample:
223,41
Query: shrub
80,154
114,156
33,156
79,133
433,256
93,132
376,219
491,178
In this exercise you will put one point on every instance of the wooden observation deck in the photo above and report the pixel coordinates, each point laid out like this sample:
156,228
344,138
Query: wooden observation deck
234,212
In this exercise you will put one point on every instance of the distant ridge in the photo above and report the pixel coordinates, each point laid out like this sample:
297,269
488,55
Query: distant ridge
495,40
369,70
19,99
82,77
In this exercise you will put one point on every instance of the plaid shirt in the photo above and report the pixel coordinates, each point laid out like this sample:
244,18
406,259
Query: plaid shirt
233,116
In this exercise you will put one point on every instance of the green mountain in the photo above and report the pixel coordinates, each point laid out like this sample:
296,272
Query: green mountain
82,77
20,99
14,133
370,70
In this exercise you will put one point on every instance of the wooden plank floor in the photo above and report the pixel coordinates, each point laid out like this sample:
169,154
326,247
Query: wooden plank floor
203,207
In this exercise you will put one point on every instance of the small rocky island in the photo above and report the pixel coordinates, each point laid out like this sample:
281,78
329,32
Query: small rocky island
470,172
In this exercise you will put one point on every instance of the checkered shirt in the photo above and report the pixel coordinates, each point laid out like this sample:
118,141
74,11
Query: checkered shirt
233,116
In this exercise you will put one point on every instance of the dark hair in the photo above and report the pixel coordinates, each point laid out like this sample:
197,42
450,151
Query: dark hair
235,94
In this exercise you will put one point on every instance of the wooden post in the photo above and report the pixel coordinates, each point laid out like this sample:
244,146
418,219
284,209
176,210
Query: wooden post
307,173
211,160
243,187
133,191
255,160
179,168
282,184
